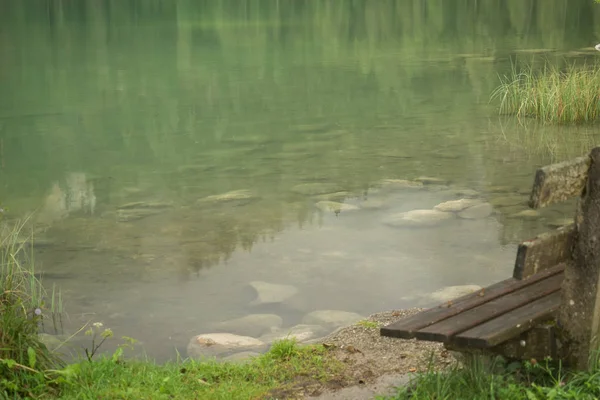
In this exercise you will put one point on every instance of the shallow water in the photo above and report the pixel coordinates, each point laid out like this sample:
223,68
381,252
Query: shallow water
165,103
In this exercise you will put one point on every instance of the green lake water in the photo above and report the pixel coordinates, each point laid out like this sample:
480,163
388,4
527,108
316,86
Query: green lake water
118,120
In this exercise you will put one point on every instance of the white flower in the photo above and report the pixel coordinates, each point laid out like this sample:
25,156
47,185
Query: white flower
98,324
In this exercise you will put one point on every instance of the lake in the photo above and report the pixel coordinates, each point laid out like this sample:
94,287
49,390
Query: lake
173,156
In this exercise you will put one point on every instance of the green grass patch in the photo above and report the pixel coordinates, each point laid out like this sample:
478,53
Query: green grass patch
115,378
552,94
480,380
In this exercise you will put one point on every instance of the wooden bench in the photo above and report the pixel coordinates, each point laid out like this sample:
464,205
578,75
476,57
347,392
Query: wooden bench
548,307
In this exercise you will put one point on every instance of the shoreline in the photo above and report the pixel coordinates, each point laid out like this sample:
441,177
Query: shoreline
373,364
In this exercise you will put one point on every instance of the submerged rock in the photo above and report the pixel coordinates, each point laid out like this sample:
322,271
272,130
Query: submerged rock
335,207
479,211
526,214
238,197
311,128
144,204
374,204
436,188
456,205
452,292
468,193
194,168
428,180
558,222
500,189
251,325
331,319
417,218
271,292
398,184
395,154
135,214
337,196
215,344
301,333
311,189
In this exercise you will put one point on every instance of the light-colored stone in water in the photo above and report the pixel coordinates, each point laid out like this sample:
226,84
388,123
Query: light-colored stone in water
242,196
301,333
251,325
417,218
271,292
428,180
337,196
334,206
452,292
456,205
477,212
527,214
312,189
135,214
241,357
331,318
214,344
396,184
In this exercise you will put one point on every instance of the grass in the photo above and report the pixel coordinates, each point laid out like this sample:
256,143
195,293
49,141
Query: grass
500,380
554,95
23,357
277,369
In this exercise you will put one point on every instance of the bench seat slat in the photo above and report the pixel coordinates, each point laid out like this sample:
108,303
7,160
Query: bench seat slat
510,324
407,328
443,331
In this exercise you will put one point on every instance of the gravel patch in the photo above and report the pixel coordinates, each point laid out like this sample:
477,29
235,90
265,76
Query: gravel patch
370,358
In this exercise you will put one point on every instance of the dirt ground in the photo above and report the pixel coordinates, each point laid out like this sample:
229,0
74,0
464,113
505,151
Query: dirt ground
374,364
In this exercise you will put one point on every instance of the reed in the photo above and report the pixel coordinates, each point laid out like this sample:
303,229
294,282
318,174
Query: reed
552,94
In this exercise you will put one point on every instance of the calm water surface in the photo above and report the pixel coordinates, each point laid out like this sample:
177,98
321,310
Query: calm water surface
161,104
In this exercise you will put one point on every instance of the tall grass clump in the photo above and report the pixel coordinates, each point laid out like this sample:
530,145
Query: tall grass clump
552,94
24,359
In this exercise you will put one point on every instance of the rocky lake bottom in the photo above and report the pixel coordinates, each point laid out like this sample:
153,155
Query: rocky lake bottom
149,268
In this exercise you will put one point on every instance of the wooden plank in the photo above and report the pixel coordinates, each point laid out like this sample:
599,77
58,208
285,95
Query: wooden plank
546,250
540,342
444,330
559,182
406,328
509,325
